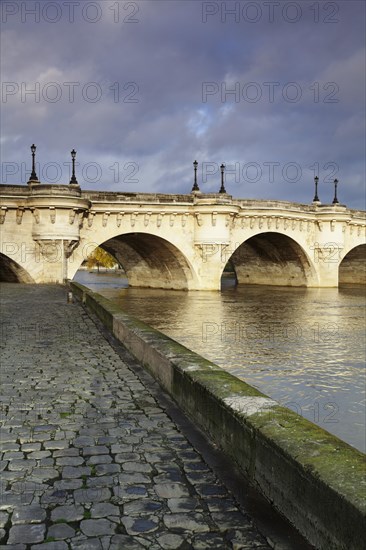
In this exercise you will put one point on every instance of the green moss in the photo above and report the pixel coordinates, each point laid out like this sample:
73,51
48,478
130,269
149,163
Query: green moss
87,514
332,460
223,384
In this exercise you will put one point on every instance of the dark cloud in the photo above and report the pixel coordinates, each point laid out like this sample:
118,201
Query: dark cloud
132,95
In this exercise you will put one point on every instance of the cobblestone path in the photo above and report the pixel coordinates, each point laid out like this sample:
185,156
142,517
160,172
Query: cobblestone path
89,459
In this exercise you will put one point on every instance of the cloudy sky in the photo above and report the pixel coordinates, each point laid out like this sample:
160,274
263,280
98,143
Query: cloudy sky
272,89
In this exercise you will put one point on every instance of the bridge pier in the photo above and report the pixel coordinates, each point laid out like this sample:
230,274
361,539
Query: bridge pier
328,274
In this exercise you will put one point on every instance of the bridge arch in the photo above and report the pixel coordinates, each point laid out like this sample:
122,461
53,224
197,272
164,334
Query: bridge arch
273,258
352,269
12,272
149,261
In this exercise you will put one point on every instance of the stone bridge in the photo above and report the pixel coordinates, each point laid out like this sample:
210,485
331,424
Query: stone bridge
178,241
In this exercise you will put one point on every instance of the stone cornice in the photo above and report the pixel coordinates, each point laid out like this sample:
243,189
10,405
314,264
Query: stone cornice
70,196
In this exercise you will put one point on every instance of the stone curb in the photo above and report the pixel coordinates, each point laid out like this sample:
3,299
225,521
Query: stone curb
313,478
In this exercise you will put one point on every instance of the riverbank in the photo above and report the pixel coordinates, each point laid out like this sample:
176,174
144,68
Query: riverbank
91,458
312,477
305,348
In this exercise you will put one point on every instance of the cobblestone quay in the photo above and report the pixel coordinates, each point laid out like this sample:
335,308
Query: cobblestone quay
89,458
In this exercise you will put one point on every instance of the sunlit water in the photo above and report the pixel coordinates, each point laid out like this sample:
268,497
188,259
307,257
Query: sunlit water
303,347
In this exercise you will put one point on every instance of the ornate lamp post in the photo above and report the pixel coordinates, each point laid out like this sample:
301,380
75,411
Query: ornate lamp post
195,184
73,178
316,198
335,200
222,188
33,177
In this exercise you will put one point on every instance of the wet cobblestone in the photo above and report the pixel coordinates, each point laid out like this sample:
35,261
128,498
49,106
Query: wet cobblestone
89,458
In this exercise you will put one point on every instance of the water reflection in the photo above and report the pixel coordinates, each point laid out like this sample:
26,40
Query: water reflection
303,347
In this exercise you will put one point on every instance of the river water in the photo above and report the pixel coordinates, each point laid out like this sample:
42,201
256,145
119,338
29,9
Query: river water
303,347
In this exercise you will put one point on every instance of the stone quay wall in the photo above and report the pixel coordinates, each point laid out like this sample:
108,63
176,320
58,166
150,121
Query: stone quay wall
313,478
